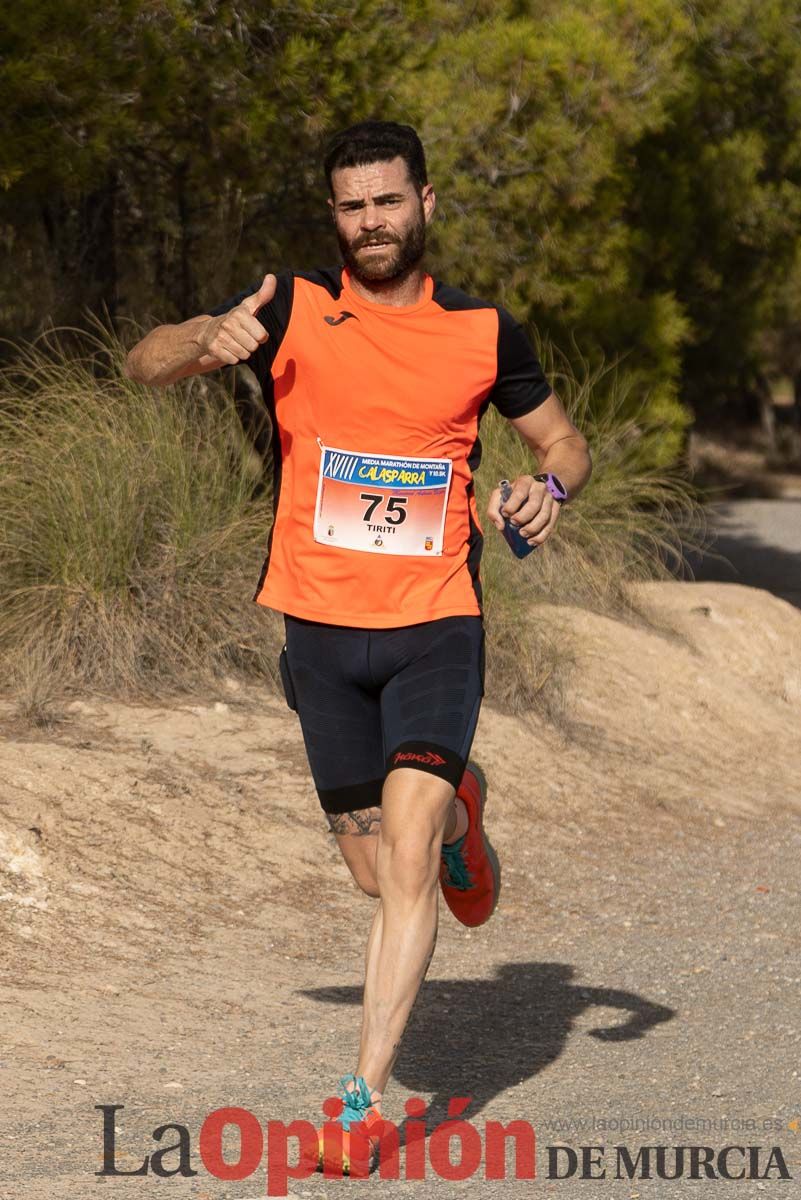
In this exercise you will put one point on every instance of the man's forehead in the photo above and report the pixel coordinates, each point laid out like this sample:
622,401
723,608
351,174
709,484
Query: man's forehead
353,183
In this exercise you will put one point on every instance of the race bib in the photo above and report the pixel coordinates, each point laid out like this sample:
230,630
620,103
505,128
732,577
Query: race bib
381,503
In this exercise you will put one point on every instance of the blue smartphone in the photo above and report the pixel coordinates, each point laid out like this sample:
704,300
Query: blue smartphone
517,543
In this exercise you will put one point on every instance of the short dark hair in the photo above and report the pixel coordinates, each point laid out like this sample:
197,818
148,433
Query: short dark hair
376,141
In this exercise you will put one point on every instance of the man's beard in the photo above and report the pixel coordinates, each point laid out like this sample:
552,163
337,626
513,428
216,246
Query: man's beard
395,260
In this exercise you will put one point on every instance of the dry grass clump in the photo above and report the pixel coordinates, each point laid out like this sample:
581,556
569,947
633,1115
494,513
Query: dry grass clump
130,540
35,679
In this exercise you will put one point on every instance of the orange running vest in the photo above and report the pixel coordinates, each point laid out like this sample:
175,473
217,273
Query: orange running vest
375,413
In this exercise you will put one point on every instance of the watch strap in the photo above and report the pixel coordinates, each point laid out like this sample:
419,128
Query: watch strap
554,486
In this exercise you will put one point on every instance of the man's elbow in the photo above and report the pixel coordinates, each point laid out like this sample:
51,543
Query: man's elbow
583,446
130,368
134,370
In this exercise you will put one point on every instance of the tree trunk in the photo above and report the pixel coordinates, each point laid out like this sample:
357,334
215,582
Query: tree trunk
795,418
767,417
82,241
98,251
186,300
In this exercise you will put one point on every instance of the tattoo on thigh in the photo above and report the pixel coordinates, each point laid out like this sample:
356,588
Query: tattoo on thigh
360,821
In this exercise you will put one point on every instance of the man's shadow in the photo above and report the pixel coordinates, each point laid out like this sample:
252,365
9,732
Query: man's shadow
480,1037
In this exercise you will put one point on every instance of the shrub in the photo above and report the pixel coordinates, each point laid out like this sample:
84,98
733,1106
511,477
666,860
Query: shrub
131,540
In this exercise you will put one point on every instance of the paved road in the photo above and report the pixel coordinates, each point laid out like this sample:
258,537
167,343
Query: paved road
760,541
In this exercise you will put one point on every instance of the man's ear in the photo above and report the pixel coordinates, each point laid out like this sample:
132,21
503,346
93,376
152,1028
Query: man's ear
429,201
330,204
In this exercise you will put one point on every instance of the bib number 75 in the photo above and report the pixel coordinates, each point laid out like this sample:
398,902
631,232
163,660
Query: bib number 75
394,514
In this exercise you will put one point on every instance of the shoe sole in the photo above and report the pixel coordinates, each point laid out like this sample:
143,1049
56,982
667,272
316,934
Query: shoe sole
373,1160
372,1164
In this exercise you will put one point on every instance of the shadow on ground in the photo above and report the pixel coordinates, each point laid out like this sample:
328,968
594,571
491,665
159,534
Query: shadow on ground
481,1037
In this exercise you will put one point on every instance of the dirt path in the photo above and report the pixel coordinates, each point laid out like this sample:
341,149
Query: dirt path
756,542
179,933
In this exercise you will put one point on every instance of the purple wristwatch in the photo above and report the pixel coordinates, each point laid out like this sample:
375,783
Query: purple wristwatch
554,486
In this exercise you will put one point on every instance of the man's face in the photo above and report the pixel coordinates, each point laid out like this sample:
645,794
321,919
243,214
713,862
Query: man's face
380,219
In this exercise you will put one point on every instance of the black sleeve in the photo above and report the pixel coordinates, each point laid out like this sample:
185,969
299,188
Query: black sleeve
520,384
273,316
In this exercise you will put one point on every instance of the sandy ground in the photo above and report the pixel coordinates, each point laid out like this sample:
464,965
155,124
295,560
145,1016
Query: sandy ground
178,933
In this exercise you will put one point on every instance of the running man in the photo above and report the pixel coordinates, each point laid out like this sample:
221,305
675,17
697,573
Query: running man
375,377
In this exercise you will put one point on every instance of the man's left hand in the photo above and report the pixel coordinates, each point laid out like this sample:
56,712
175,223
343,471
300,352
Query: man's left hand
531,507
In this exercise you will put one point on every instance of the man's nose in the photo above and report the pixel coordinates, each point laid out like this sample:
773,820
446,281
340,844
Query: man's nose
372,217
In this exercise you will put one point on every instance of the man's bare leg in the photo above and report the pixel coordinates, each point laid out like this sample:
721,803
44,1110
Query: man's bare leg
415,809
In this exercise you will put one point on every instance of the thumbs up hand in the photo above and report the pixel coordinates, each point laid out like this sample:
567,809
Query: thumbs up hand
234,336
263,296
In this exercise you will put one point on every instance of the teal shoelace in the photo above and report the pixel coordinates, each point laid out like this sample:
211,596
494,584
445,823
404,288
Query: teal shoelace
356,1102
458,874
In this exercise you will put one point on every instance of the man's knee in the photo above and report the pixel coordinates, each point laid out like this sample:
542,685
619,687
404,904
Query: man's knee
415,807
409,866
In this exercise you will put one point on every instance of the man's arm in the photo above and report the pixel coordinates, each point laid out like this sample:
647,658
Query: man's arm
559,447
561,450
203,343
523,395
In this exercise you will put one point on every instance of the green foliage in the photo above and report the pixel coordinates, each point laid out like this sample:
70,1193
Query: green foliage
624,175
141,141
720,201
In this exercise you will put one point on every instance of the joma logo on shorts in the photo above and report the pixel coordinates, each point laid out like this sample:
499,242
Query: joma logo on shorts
430,758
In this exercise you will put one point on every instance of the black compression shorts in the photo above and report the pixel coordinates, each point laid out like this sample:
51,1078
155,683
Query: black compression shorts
372,700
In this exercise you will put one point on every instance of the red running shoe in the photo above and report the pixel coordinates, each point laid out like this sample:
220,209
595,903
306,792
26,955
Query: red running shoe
469,873
349,1151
